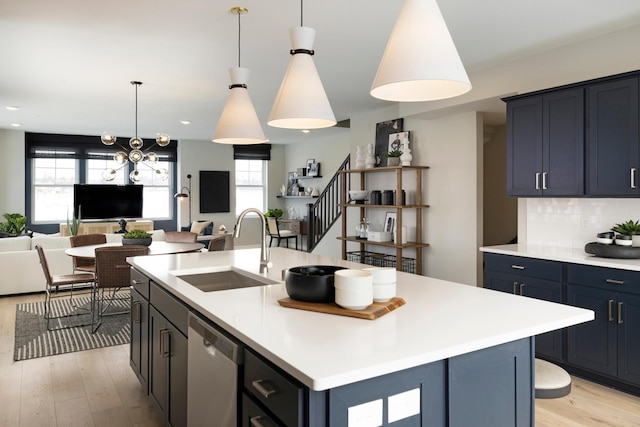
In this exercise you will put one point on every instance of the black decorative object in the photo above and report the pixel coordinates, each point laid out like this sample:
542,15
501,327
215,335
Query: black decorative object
214,191
383,130
612,251
123,227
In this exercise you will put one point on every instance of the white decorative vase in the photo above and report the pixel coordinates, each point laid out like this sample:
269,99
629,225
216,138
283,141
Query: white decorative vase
370,160
635,240
360,155
406,156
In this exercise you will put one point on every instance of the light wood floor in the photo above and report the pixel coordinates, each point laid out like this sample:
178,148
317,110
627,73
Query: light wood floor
98,388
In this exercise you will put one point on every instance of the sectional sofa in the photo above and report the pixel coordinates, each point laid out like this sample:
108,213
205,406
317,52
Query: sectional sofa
20,270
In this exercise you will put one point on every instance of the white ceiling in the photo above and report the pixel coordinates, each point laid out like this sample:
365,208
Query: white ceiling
67,63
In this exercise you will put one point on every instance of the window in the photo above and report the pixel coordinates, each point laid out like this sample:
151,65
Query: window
250,185
56,162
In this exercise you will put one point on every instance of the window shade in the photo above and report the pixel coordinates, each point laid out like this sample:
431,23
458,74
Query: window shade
252,152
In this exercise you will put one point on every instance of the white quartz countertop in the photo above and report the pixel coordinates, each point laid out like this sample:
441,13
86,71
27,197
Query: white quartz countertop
439,320
554,253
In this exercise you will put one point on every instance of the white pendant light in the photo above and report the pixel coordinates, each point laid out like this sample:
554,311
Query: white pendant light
301,102
239,123
420,62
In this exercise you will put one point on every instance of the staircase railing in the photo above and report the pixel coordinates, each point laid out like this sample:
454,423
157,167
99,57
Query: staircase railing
326,210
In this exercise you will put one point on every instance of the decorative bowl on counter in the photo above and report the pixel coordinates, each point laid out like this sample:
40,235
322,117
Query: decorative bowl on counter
311,283
605,238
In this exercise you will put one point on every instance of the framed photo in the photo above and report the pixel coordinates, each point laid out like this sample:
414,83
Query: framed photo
396,140
383,130
313,169
309,161
390,222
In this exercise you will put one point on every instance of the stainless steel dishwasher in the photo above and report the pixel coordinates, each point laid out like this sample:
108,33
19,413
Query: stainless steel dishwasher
213,364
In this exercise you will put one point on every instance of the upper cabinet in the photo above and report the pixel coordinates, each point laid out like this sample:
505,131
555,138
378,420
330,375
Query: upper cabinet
612,140
576,140
545,144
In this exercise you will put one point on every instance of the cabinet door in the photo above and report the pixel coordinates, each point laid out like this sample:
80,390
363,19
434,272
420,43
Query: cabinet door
563,143
501,281
548,345
628,316
168,371
139,347
593,345
613,138
524,146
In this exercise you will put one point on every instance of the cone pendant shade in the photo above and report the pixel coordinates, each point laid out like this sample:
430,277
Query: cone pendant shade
239,122
420,62
301,102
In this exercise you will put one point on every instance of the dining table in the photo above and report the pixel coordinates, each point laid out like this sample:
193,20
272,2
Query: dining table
156,248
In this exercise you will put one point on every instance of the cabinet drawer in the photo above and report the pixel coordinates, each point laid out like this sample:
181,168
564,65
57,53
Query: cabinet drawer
604,278
278,393
140,283
175,311
252,415
528,267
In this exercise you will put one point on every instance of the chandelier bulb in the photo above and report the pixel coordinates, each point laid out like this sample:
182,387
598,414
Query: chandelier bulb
163,139
120,157
163,174
151,157
136,156
134,176
108,138
109,174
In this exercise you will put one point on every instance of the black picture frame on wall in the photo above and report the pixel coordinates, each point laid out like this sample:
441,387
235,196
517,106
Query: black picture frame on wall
383,130
214,191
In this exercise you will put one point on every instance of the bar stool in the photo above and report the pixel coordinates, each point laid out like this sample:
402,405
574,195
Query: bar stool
551,381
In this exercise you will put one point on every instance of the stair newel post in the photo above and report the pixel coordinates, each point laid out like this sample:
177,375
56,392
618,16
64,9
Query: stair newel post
311,227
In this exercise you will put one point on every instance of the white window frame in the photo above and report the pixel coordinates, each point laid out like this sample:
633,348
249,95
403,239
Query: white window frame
263,186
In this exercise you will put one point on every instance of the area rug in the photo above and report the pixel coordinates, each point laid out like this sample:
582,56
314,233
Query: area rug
33,340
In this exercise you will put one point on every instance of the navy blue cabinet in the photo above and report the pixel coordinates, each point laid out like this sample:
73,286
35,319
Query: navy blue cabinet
612,139
533,278
545,144
609,344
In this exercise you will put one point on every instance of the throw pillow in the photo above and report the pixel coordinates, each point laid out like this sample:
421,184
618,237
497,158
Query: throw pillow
199,226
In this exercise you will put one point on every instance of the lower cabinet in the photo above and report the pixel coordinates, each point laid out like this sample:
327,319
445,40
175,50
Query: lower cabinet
168,375
139,347
533,278
609,344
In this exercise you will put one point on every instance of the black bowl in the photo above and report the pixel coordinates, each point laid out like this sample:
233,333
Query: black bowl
606,235
311,283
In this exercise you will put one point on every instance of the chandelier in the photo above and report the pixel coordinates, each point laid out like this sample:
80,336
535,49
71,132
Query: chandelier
135,154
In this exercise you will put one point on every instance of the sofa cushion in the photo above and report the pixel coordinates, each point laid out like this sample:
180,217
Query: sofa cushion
10,244
51,242
202,227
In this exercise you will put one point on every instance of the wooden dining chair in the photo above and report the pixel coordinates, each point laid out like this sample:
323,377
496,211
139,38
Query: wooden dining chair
217,244
86,264
63,285
276,233
112,274
180,237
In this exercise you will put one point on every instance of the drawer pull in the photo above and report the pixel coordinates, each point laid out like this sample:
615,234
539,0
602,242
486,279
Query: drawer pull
537,180
518,267
257,384
136,282
633,177
255,421
521,288
515,288
615,282
620,313
544,180
610,310
165,349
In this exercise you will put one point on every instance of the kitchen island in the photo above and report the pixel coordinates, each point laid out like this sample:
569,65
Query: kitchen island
453,354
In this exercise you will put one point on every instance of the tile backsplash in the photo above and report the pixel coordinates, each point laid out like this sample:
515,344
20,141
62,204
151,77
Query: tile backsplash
572,223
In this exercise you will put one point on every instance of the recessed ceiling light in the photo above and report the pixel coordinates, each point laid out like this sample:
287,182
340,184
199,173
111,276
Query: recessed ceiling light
12,108
305,131
16,125
185,122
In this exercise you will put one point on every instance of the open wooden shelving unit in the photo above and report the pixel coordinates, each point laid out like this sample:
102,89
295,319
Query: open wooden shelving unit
418,207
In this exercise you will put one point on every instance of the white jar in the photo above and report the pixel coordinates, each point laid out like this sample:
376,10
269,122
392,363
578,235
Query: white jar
354,289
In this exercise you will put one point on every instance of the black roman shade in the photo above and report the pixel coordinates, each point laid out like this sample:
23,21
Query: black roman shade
252,152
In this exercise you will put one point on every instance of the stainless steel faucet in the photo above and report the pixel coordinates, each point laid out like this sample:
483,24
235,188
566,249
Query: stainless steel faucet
264,252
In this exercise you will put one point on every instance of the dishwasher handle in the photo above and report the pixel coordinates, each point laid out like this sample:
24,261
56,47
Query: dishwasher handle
215,341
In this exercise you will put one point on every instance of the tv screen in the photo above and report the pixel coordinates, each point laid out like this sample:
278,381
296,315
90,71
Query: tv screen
100,201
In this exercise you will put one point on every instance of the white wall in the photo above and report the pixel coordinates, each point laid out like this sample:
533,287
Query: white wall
11,171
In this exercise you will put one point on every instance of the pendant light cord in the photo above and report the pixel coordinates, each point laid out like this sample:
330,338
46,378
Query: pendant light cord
136,85
239,13
301,10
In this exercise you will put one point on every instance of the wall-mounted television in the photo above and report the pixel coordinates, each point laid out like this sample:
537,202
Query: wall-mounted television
107,201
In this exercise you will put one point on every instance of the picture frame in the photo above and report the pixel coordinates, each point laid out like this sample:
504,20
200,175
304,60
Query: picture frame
396,140
383,130
313,169
390,222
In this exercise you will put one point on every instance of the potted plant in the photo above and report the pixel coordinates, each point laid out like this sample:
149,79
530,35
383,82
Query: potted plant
629,228
136,237
393,157
276,213
73,224
14,226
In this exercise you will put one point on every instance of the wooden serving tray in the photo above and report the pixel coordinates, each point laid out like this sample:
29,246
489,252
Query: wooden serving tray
375,310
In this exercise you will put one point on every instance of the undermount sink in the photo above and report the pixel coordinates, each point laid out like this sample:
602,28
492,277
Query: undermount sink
221,279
